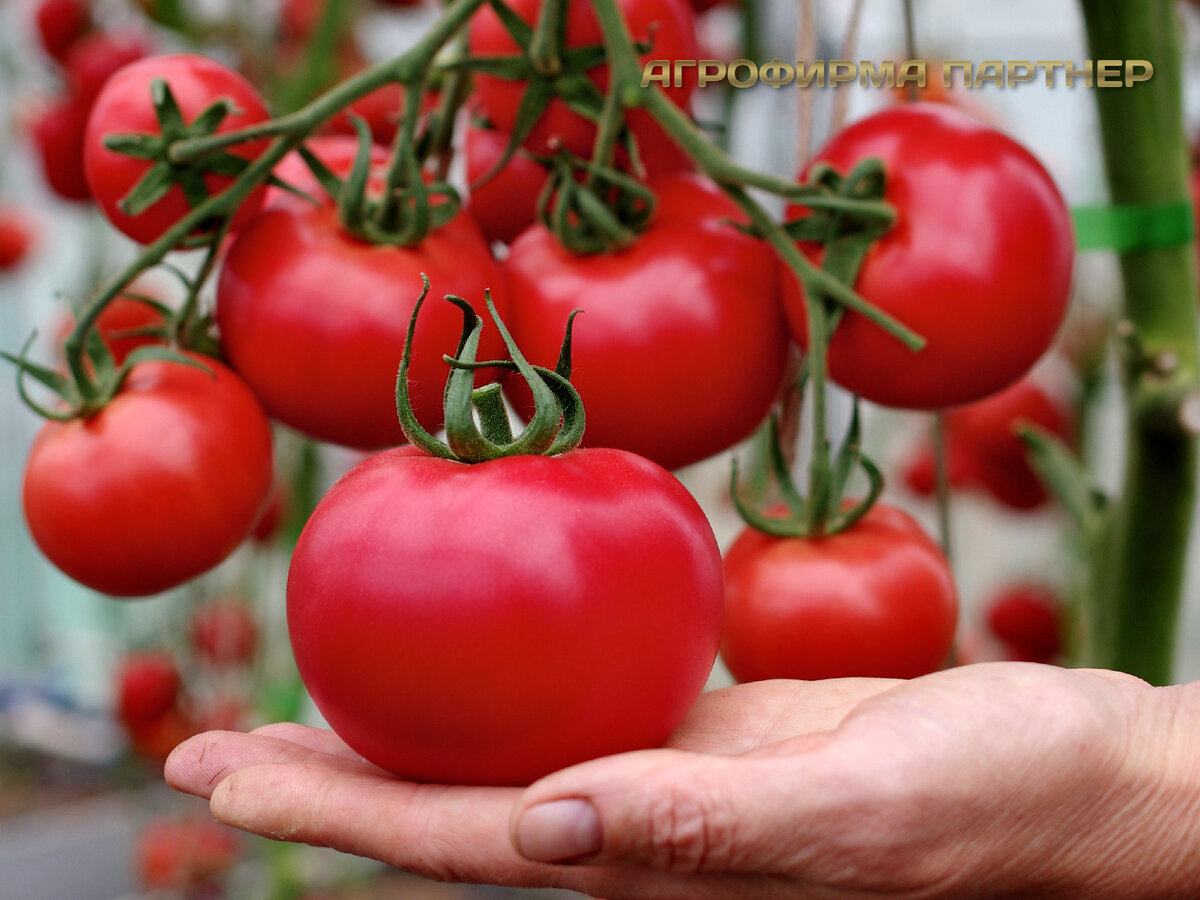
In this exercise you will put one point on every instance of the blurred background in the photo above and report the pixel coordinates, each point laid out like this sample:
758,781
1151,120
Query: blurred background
83,813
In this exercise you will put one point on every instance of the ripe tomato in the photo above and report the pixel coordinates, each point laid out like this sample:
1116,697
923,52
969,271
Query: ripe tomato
314,319
506,204
336,151
979,261
667,24
491,623
148,685
58,131
60,23
124,107
158,486
16,237
119,321
988,432
985,451
1027,618
94,58
874,600
224,632
173,854
681,345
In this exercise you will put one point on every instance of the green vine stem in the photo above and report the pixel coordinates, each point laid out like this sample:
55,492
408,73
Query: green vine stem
1138,568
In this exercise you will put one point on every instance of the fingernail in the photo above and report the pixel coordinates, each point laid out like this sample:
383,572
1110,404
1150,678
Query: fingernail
558,831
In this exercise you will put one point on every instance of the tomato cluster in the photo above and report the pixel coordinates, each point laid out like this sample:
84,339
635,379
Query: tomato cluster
454,607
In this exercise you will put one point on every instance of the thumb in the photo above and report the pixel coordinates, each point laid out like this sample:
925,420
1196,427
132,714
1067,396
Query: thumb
678,811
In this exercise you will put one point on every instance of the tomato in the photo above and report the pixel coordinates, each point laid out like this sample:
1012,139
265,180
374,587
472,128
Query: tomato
1027,618
60,23
506,204
124,107
494,622
681,345
93,59
58,132
985,450
274,514
158,486
978,263
314,319
667,24
875,600
182,853
989,432
148,686
336,151
16,237
119,322
224,631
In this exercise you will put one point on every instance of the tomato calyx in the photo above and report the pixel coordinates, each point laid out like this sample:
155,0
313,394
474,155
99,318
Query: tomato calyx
166,172
556,425
603,213
825,511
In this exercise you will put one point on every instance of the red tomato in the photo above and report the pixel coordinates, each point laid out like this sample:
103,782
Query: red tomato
148,685
93,59
380,109
506,204
920,470
681,345
274,514
1027,618
336,151
224,632
158,486
667,24
60,23
978,262
179,853
988,432
154,739
124,107
117,323
315,320
875,600
491,623
58,135
16,237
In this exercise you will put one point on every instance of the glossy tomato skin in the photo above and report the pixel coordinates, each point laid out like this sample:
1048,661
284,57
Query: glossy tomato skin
979,261
505,204
492,623
874,600
58,132
315,320
158,486
668,24
682,342
124,106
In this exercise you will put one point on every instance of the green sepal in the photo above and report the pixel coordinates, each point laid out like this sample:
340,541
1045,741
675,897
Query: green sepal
558,419
324,175
1061,471
150,188
61,385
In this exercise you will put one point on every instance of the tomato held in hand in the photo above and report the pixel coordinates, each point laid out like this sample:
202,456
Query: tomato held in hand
314,319
124,106
158,486
875,600
978,262
667,25
681,344
493,622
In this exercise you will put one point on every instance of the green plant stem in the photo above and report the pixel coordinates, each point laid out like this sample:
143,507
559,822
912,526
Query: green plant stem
1139,566
941,481
549,35
288,132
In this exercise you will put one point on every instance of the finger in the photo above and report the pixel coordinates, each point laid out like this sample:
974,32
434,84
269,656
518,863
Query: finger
443,832
751,716
322,740
198,764
684,812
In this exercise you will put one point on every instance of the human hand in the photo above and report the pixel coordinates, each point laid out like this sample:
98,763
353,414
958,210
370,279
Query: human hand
981,781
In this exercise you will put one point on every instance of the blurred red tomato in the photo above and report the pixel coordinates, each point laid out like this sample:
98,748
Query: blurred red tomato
1028,619
224,631
181,853
16,237
60,23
